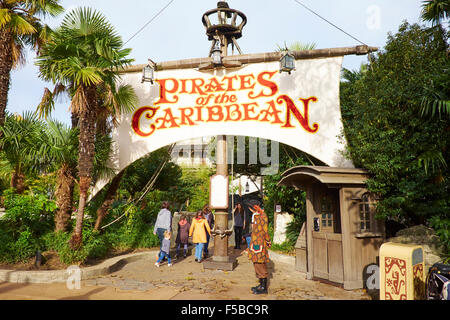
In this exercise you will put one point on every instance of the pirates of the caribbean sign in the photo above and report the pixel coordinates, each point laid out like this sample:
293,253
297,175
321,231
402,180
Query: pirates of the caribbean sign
300,109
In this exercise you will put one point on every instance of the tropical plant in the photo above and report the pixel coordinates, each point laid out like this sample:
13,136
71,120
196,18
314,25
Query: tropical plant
20,27
296,46
435,11
403,151
85,52
18,142
58,150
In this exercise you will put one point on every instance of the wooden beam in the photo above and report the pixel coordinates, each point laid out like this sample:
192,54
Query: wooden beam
238,60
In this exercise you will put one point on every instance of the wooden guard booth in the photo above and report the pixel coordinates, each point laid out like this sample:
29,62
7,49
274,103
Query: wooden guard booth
341,233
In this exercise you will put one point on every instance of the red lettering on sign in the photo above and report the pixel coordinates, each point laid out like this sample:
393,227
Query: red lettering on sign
246,82
302,119
248,109
163,90
265,83
167,118
185,116
137,117
230,112
215,114
272,111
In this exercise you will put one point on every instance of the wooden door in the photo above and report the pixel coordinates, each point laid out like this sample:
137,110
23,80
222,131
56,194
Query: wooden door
327,238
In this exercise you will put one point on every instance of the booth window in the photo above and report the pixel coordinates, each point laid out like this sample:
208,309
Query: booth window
367,225
364,213
327,214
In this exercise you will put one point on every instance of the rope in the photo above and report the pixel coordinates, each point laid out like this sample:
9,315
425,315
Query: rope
146,189
150,21
340,29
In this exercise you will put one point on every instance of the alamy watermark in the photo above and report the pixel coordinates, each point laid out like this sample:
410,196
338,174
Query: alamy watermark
251,151
74,279
373,21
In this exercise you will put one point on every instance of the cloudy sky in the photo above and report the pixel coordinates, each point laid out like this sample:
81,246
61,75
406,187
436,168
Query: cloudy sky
178,33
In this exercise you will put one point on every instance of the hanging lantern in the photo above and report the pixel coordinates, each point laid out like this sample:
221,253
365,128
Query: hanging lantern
217,54
287,63
148,72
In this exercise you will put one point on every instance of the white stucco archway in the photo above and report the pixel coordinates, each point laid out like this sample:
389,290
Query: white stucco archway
300,109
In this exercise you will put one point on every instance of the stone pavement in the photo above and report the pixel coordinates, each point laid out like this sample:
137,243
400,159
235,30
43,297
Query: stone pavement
186,280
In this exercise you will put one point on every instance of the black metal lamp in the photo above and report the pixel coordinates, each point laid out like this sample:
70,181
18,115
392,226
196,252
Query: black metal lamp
247,187
287,62
148,72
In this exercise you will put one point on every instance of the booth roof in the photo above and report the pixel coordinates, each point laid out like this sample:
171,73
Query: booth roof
300,177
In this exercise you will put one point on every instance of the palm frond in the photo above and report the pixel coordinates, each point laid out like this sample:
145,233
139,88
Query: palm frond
5,17
434,107
435,11
296,46
20,26
431,161
78,101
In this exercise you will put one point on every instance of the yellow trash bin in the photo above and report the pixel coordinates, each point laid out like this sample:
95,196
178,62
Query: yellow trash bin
402,275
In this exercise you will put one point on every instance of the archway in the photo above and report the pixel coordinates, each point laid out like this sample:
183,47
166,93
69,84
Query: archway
300,109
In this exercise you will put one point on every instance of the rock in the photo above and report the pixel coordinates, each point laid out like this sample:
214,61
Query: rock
433,250
282,220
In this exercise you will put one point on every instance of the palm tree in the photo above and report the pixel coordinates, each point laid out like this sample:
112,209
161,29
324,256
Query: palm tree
18,140
435,11
85,52
58,151
296,46
20,27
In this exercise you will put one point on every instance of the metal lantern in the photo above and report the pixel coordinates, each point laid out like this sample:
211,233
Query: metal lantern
148,72
217,54
287,63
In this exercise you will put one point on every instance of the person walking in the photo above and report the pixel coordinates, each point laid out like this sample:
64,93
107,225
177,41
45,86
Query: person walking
259,245
209,216
165,249
182,235
163,221
198,231
239,224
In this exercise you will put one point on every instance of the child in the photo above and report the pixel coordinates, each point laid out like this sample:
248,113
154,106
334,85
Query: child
182,235
165,249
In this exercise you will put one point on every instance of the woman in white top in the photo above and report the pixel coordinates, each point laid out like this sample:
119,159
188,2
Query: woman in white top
163,221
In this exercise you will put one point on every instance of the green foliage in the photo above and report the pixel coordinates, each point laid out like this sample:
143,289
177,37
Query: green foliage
291,200
195,186
435,10
28,212
28,216
442,227
286,247
138,174
386,134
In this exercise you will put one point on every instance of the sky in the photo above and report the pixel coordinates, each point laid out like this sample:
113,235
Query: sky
178,33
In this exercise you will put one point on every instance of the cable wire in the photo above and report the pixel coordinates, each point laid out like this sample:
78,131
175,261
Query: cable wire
340,29
150,21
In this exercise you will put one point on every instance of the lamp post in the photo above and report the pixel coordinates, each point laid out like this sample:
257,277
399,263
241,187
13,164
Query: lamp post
227,29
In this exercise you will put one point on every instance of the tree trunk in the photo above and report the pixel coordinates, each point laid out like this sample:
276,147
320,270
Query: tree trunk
64,197
74,119
85,159
18,181
108,200
6,63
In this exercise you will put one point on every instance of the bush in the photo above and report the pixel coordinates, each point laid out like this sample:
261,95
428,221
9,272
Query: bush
33,212
28,216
